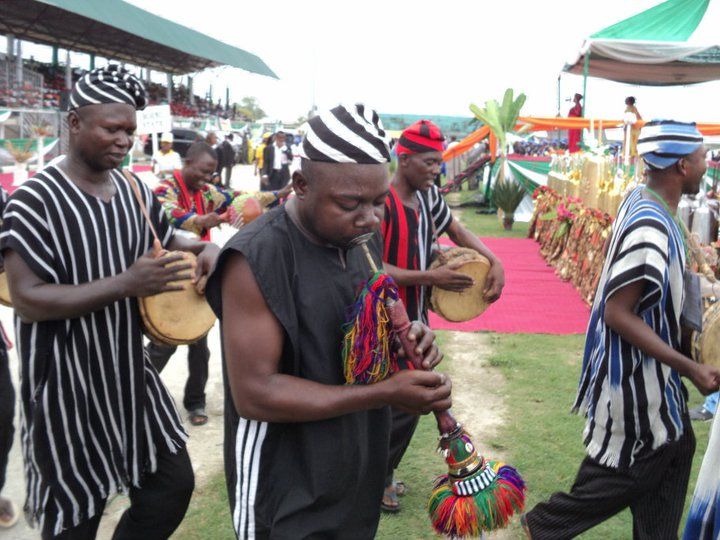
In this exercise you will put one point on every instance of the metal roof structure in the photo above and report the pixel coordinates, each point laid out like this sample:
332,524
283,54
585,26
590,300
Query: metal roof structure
120,31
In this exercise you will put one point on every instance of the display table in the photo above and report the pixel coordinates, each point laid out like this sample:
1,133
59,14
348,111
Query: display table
571,235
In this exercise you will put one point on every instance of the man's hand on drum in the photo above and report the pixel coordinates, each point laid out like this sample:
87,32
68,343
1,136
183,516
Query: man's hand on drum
421,334
494,282
205,263
446,277
705,377
152,275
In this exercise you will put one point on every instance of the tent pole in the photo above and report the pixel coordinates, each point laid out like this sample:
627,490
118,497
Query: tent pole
558,94
586,70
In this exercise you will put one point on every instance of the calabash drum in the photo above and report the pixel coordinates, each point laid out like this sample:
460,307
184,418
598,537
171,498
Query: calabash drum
243,210
177,317
468,304
4,291
706,344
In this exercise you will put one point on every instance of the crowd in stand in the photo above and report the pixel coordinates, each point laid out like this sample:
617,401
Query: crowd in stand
29,96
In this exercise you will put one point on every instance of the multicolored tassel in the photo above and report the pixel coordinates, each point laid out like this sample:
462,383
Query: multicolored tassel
477,495
367,351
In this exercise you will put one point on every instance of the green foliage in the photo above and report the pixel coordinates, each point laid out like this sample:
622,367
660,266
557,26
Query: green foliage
508,195
501,118
250,109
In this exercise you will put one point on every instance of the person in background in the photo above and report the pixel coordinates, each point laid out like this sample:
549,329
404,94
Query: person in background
212,140
227,153
574,135
259,158
166,160
277,159
635,130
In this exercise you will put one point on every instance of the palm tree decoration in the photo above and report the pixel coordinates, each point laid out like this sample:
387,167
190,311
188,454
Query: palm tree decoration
501,119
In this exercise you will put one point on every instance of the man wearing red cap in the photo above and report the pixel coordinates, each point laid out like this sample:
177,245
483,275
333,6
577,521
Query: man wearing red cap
415,216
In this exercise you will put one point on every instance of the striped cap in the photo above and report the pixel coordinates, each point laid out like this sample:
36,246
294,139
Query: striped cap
110,84
663,142
420,137
346,134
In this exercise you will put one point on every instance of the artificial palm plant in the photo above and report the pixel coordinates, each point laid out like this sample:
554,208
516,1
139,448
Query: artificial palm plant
501,119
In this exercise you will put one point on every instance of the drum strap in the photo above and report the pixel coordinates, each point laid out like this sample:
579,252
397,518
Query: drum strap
136,190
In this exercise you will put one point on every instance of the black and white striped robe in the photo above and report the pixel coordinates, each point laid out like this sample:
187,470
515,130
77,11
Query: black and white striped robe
94,412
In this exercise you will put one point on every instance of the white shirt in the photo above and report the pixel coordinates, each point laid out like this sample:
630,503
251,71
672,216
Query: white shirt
167,162
279,158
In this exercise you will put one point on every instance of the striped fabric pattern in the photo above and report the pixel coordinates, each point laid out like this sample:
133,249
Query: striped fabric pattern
110,84
408,240
633,403
248,449
93,409
663,142
346,134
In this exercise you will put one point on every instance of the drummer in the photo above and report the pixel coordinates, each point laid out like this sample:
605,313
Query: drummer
77,252
415,216
192,203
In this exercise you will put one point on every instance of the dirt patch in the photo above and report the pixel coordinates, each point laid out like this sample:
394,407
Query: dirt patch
478,396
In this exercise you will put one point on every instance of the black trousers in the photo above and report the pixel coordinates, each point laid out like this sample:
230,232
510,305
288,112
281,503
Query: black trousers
156,508
198,359
278,179
654,489
7,411
228,175
403,428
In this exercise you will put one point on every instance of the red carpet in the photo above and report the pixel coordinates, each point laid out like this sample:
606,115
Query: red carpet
534,300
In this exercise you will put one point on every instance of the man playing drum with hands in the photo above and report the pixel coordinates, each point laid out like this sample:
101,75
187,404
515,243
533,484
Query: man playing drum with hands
78,253
306,453
415,215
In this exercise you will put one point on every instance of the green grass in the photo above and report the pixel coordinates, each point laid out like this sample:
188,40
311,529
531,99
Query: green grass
543,437
483,224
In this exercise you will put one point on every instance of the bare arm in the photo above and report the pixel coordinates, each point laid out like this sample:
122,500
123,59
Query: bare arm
621,317
253,340
404,277
495,280
35,300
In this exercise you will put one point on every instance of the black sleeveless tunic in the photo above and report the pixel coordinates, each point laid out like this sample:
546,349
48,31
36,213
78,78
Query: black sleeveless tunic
313,479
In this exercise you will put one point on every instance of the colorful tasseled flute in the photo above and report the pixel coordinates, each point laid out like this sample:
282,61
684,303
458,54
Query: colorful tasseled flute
477,494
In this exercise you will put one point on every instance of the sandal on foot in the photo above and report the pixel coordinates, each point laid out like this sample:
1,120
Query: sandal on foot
400,488
198,417
389,502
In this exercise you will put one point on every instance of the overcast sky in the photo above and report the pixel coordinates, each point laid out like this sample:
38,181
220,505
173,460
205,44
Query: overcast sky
421,57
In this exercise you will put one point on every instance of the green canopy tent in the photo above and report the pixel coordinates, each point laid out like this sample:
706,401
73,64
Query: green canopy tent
120,31
673,43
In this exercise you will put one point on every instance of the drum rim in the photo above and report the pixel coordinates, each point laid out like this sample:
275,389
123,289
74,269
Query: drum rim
478,258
